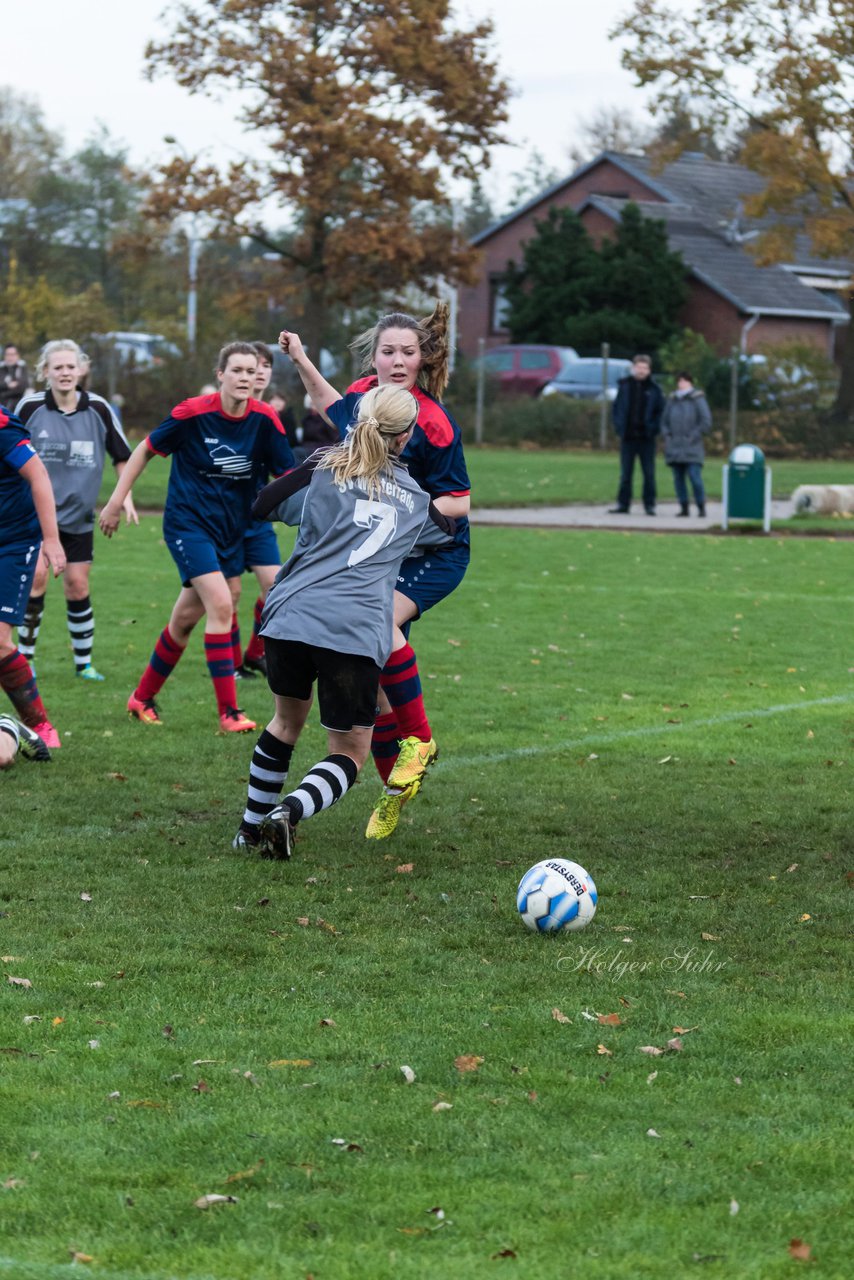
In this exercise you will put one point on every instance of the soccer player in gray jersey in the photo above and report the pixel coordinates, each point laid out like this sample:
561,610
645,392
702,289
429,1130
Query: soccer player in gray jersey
329,616
74,432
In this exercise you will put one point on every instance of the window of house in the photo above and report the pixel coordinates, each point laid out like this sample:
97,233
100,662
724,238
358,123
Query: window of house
498,307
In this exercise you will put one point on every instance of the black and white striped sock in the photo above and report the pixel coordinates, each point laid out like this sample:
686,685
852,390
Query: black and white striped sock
28,631
81,628
327,782
267,773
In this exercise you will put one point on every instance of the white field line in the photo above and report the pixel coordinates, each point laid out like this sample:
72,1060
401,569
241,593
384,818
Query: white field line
604,739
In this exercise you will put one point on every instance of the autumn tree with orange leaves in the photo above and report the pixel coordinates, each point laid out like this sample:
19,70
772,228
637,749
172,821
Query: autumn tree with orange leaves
367,110
784,68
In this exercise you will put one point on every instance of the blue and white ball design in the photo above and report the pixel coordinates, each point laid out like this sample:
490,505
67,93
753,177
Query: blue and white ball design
556,895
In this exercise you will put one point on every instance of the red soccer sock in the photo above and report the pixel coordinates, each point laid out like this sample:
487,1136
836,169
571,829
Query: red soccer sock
401,684
218,655
19,681
236,647
384,745
161,664
255,647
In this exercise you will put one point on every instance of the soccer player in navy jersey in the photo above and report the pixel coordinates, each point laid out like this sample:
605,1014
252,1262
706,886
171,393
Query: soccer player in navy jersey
329,615
411,354
218,444
27,523
263,557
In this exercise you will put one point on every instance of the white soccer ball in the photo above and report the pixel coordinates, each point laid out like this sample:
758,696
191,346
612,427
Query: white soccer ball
556,895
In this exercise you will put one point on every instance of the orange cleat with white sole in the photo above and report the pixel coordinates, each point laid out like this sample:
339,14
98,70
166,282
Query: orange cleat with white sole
234,721
144,709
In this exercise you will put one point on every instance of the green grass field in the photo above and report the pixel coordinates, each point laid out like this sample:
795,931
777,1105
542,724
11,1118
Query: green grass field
536,477
675,713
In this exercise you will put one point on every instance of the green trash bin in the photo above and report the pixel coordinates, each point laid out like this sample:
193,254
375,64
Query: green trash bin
747,487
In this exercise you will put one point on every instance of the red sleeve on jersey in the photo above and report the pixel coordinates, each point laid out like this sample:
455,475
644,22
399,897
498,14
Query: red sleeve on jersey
361,385
433,421
267,412
4,418
196,405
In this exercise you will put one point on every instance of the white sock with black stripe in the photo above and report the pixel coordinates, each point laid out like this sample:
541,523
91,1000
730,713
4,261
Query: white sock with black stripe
81,628
267,773
327,782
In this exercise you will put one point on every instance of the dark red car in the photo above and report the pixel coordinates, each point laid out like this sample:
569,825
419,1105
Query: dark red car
523,369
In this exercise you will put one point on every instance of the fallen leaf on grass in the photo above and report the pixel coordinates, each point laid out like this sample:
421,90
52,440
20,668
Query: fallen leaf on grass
247,1075
291,1062
675,1045
650,1133
31,1017
245,1173
610,1019
56,1022
12,1184
345,1145
805,916
201,1086
85,897
710,937
467,1062
511,1253
683,1031
18,982
560,1017
733,1208
206,1062
327,1022
76,1256
405,868
653,1075
304,921
205,1202
603,1051
800,1249
793,867
651,1049
94,1044
118,777
680,994
408,1074
442,1106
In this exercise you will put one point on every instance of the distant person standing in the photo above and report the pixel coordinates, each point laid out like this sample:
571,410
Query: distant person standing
14,377
685,421
73,431
637,421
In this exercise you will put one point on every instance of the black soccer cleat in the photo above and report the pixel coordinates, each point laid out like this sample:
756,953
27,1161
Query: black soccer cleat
278,834
32,747
252,667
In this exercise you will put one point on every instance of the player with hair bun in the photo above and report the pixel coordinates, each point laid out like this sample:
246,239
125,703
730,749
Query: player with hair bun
329,615
218,444
412,354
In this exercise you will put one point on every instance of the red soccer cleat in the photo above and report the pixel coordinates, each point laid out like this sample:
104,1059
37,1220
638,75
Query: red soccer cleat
234,721
144,709
48,734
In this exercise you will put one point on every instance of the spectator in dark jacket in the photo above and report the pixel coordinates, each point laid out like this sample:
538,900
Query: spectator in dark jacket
637,421
685,421
14,378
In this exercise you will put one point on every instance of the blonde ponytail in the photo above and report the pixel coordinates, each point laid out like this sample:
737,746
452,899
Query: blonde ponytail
384,414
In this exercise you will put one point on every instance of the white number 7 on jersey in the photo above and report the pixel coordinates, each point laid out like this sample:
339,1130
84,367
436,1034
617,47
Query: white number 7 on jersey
381,519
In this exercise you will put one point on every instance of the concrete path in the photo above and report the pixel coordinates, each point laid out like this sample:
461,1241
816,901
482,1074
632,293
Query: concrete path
579,515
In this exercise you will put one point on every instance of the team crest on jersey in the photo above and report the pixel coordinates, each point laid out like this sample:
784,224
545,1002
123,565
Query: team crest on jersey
229,462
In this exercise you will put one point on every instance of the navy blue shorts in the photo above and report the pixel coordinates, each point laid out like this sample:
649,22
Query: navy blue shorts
18,563
428,579
194,555
260,545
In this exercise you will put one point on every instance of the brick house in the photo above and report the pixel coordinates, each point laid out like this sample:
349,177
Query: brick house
732,301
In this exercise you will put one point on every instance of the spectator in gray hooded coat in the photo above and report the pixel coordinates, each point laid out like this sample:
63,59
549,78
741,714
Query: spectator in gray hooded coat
685,421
